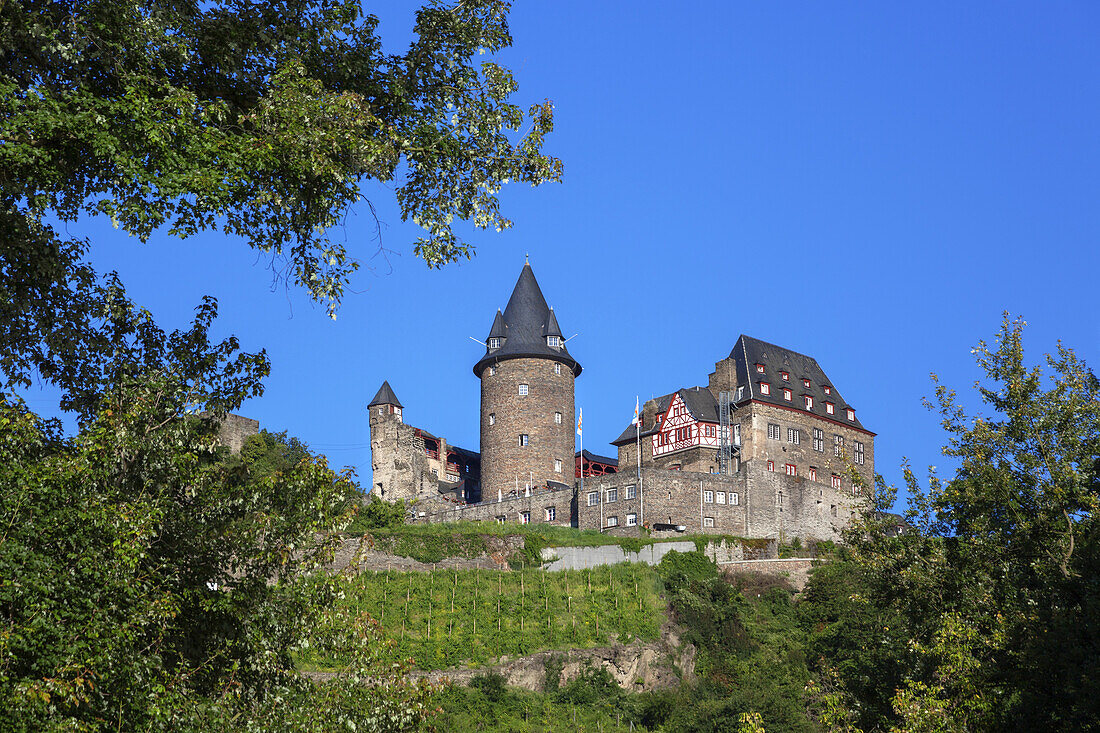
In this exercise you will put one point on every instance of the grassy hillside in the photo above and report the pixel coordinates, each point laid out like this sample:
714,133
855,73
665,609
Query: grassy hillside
447,618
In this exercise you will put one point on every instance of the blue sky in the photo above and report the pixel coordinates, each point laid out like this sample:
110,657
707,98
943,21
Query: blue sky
868,184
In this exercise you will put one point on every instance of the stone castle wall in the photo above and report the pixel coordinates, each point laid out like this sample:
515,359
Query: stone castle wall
398,460
233,429
510,508
506,415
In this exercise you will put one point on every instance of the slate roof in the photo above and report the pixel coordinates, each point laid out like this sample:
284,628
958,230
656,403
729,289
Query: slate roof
526,322
748,352
595,458
385,396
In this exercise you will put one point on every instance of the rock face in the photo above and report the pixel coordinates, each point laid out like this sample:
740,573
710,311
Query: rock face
636,667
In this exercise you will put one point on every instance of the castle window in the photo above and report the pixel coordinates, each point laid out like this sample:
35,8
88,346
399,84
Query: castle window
381,410
494,343
720,497
593,498
708,497
492,370
500,519
819,440
832,509
612,496
759,368
522,439
828,389
708,521
612,521
771,465
557,465
740,393
786,376
734,499
557,368
851,414
829,408
551,513
859,453
554,341
492,418
557,418
779,498
809,402
813,473
765,388
794,435
631,520
838,444
773,431
523,389
806,383
791,469
836,481
525,517
786,394
631,491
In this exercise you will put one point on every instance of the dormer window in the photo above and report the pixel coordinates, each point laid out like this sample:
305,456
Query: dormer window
851,414
828,389
809,402
494,343
553,341
786,376
759,368
806,383
765,388
787,394
830,408
740,393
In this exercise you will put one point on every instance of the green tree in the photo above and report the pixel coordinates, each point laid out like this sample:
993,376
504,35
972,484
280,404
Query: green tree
257,119
990,605
143,584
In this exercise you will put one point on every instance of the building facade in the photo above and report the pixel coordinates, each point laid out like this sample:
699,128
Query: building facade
767,449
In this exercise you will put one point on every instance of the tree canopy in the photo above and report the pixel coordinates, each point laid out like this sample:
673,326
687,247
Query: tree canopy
260,120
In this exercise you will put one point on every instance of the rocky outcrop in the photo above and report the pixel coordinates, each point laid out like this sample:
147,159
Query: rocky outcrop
636,667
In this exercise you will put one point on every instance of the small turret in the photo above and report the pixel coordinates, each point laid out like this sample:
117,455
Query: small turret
385,403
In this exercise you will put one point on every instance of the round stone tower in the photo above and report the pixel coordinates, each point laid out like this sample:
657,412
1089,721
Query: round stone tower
527,399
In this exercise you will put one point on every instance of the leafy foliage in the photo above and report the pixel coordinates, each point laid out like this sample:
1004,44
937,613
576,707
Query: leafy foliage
259,120
983,617
143,584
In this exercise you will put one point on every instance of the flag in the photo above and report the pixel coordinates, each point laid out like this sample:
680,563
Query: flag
637,414
580,416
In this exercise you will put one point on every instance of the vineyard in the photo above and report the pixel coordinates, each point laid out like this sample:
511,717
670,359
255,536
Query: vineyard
446,618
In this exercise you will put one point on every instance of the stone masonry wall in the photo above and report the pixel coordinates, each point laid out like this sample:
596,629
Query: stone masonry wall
510,507
398,460
506,414
233,430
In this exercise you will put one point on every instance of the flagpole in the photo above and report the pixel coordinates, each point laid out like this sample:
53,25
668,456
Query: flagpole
638,442
580,417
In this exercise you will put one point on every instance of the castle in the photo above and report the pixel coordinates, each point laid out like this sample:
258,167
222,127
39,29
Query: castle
767,449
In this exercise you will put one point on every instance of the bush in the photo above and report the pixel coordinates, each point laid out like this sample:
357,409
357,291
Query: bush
492,685
680,569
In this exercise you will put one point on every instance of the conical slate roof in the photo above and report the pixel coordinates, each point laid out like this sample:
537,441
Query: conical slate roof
385,396
524,326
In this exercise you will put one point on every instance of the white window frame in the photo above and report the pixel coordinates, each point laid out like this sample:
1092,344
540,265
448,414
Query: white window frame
836,481
494,343
557,418
740,393
593,498
765,388
794,436
523,389
492,418
631,491
501,519
557,465
813,473
553,342
612,496
830,408
858,453
719,497
819,440
525,517
790,469
787,394
612,521
851,414
524,440
771,466
708,497
631,520
708,521
551,513
809,402
557,368
734,498
492,370
775,432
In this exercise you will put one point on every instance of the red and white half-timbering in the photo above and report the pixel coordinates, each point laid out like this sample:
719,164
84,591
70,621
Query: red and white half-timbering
680,430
